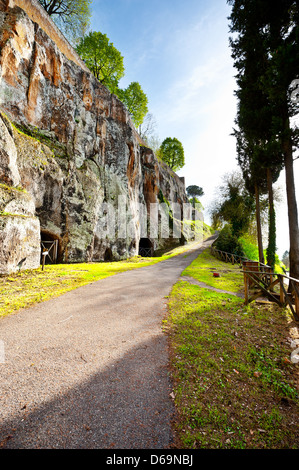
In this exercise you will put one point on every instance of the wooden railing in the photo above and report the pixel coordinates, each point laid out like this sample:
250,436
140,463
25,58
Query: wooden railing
227,257
260,280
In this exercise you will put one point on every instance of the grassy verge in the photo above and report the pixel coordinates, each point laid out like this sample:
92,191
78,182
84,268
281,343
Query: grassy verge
29,287
205,265
234,383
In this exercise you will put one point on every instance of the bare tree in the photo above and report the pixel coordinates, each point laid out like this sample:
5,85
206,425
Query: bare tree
71,16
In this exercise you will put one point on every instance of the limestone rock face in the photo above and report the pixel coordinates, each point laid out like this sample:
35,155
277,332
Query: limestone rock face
9,173
72,146
19,231
19,244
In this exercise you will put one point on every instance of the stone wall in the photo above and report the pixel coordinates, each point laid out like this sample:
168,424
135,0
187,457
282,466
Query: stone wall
37,14
70,146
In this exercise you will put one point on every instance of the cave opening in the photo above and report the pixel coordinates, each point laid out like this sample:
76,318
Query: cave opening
108,255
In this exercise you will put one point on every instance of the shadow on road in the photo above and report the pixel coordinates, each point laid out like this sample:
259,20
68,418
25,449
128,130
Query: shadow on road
125,406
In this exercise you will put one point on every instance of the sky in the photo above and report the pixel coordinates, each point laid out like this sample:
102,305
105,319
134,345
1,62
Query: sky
179,53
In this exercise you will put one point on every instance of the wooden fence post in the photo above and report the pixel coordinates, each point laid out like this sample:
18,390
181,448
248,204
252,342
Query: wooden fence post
246,288
281,291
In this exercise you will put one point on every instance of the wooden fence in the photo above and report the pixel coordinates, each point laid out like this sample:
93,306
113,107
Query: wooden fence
51,248
227,257
260,281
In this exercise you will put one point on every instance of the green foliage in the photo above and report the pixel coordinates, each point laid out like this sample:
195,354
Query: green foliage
107,65
228,242
10,189
271,249
234,205
251,252
135,100
71,17
196,203
172,153
250,249
265,52
194,190
102,58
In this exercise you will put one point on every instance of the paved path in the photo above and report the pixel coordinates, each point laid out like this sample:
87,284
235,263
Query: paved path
191,280
90,368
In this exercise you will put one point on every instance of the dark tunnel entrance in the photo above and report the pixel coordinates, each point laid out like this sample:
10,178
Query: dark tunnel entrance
145,247
108,255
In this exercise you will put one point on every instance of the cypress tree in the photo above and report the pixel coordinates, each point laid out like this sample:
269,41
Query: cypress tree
266,55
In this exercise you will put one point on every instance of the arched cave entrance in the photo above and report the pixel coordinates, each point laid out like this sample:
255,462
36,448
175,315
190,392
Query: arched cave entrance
145,247
108,255
51,243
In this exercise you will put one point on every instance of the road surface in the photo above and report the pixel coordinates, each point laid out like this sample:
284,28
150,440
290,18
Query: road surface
89,369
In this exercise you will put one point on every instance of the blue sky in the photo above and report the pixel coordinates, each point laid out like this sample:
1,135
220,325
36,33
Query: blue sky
179,53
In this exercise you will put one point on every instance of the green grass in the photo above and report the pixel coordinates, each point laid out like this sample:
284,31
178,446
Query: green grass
205,265
234,383
251,252
29,287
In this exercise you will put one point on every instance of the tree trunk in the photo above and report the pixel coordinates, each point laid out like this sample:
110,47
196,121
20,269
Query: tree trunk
292,211
272,226
258,224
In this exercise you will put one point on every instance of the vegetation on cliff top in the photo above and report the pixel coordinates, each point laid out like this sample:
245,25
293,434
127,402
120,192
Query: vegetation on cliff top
73,18
107,65
172,153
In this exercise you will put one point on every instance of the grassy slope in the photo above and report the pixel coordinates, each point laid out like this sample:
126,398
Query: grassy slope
234,383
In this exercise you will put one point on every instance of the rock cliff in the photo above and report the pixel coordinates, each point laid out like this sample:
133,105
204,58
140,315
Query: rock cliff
69,155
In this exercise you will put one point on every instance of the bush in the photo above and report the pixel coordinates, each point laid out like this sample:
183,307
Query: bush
228,242
250,249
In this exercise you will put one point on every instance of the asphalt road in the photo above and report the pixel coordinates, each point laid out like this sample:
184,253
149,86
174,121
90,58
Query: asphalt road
89,370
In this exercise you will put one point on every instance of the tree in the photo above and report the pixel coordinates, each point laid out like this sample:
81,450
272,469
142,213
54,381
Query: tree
147,131
234,205
135,100
193,191
148,127
72,17
154,143
102,59
254,180
277,26
258,153
172,153
228,242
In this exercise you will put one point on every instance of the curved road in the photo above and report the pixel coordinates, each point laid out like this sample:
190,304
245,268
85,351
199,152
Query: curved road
89,369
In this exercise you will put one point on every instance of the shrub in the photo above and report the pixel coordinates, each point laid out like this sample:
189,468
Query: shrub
228,242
